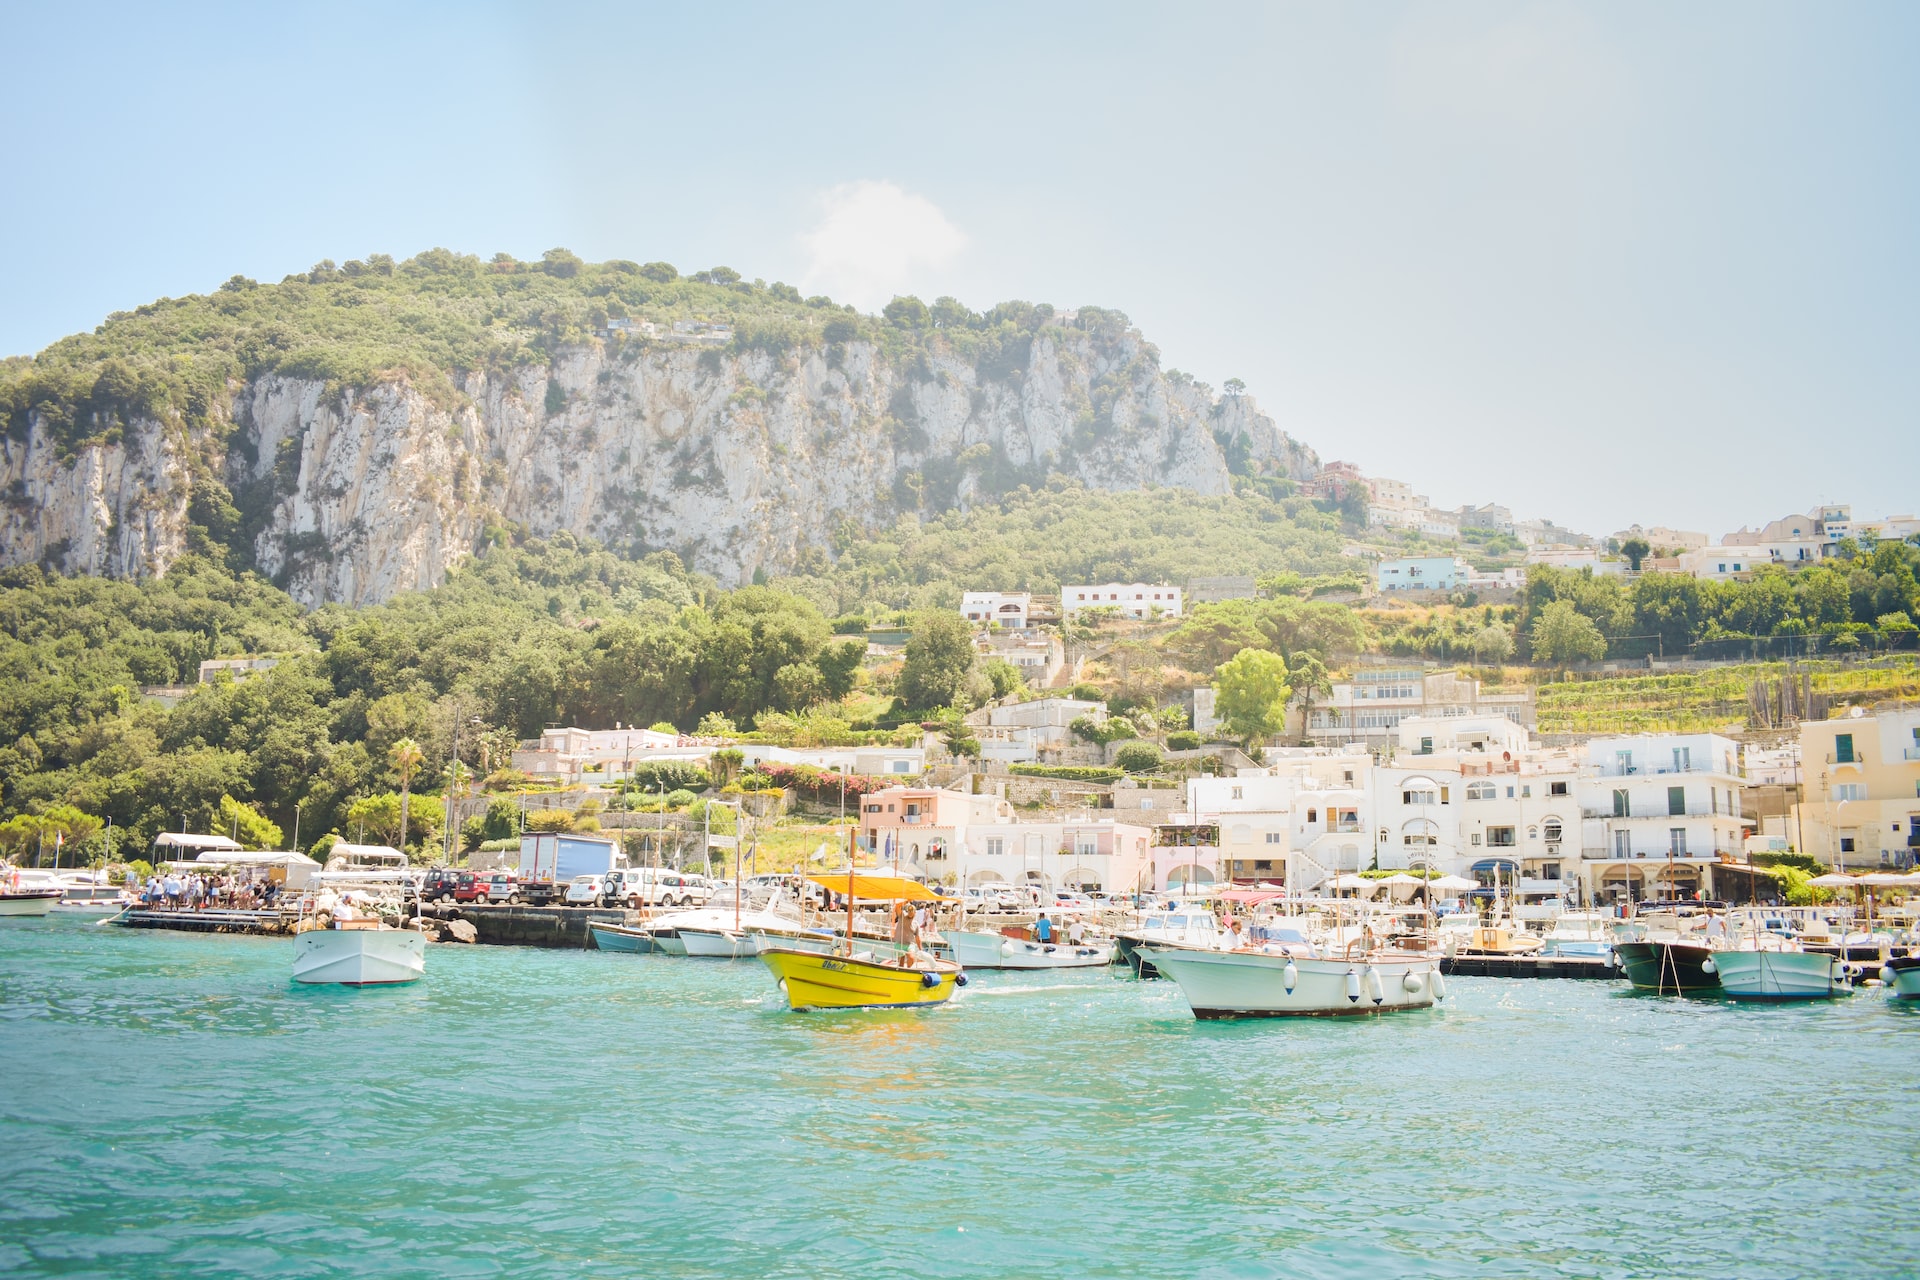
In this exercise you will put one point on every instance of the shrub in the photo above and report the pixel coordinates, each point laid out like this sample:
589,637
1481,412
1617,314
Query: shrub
1183,740
546,820
1067,772
680,799
669,775
1138,757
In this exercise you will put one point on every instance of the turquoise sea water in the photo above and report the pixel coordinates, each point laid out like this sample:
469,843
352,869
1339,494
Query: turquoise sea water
174,1106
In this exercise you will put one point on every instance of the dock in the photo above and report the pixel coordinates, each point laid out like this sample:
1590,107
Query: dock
209,920
1534,966
564,927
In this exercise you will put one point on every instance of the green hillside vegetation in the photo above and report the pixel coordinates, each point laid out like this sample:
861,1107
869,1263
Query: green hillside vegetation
1698,701
1033,540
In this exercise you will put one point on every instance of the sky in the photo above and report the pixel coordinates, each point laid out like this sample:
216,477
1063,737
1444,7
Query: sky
1603,263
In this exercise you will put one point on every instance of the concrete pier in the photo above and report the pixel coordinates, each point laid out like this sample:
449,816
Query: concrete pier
565,927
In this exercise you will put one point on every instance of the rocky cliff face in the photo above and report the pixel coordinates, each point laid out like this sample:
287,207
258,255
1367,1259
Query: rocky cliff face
737,460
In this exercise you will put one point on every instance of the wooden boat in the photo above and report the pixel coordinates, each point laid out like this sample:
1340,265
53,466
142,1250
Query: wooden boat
620,937
850,979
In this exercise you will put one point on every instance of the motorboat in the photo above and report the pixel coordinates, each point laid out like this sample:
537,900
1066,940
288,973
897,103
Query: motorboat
1185,927
851,978
341,935
1278,980
1580,934
1668,965
1902,976
20,903
980,950
1775,972
359,954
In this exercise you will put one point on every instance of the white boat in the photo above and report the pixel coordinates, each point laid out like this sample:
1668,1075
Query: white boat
1276,984
27,902
1580,933
1779,973
1902,977
340,936
998,951
1190,927
359,955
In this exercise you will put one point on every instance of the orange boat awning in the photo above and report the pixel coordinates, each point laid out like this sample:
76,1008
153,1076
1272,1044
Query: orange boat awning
876,886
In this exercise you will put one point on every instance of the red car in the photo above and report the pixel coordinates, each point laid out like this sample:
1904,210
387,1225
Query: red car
470,888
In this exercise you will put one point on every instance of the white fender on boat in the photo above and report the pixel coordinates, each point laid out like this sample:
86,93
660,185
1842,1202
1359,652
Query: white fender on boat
1353,986
1412,983
1376,989
1290,975
1886,974
1439,985
1708,966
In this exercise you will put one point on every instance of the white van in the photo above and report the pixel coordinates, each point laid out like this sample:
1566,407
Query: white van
660,887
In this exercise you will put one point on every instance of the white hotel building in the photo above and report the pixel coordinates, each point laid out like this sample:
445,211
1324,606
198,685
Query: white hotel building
1135,599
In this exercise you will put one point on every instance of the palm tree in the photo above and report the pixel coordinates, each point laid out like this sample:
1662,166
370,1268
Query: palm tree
406,756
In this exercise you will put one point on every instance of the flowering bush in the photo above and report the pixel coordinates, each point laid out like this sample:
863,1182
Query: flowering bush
821,785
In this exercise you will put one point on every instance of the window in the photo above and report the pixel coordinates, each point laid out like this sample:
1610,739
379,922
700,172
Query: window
1845,791
1479,791
1147,803
1556,788
1843,748
1682,759
1623,760
1677,841
1443,795
1274,837
1313,815
1237,794
1622,844
1500,837
1553,830
1475,838
1421,796
1620,804
1846,844
1509,791
1086,844
996,846
1676,802
873,808
1526,791
1426,747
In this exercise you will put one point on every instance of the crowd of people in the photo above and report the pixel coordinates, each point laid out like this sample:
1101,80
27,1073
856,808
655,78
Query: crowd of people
201,891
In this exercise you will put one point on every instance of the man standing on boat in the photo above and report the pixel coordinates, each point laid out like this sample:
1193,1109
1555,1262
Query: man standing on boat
1043,929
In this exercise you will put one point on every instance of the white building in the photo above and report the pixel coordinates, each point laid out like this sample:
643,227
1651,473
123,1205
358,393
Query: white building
1135,599
997,608
1560,556
1023,732
608,754
1723,563
1393,503
1657,812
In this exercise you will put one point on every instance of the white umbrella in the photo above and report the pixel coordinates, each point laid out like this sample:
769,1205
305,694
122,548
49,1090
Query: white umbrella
1401,878
1834,880
1450,883
1350,882
1884,880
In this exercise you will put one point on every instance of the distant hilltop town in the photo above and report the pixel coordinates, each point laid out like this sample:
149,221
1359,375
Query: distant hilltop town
1392,508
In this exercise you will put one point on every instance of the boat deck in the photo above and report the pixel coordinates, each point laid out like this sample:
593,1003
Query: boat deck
210,920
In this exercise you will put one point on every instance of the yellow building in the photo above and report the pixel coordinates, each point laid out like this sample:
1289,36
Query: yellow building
1862,789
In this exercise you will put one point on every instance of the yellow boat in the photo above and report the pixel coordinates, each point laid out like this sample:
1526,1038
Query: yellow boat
847,981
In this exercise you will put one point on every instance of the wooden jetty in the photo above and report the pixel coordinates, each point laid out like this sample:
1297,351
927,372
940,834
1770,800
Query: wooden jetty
1528,966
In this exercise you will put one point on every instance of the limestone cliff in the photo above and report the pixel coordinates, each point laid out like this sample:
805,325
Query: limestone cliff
736,458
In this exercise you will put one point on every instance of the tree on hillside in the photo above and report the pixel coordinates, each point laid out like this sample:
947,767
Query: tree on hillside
406,757
939,660
1309,677
1493,643
244,823
1562,635
1635,550
1250,694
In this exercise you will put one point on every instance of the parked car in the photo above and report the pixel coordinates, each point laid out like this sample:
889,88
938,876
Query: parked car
585,891
441,883
502,887
470,888
995,897
659,887
1071,903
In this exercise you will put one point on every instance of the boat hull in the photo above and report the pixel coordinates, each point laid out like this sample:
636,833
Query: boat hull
28,902
359,957
1253,984
668,943
1665,967
814,981
1779,975
1906,978
714,944
613,937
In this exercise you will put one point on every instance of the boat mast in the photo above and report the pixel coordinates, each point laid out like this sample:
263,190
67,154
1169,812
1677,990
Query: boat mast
850,847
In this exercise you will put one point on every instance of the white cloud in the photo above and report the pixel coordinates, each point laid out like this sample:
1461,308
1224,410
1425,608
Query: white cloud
876,241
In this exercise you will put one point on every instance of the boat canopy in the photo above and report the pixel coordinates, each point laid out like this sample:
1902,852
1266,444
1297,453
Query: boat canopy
183,840
1250,897
875,886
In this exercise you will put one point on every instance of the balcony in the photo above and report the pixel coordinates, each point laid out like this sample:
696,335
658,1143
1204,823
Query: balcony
1660,854
1692,811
